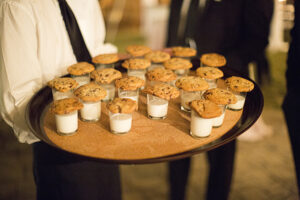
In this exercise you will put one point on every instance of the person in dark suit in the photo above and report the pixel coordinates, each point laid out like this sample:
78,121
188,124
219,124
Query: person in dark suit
291,106
239,30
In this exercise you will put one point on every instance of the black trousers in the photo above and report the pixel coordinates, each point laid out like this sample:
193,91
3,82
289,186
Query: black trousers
291,108
60,175
221,162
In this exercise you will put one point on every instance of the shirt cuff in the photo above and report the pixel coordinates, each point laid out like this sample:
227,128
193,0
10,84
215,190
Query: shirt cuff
105,48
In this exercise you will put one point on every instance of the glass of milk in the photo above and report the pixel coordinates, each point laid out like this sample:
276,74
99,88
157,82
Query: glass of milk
154,65
187,96
218,121
110,91
157,107
129,94
67,124
82,79
200,127
91,111
203,65
140,73
212,83
61,95
239,105
181,72
120,123
103,66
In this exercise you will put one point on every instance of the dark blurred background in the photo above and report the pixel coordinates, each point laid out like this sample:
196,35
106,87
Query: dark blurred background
264,168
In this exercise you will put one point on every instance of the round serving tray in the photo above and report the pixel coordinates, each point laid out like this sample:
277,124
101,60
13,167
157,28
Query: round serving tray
149,141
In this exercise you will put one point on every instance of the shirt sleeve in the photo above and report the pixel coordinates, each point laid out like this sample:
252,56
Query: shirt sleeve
20,71
101,47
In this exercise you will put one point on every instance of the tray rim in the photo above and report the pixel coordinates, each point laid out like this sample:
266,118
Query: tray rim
242,125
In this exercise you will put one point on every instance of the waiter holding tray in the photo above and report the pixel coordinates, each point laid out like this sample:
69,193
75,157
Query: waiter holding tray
39,40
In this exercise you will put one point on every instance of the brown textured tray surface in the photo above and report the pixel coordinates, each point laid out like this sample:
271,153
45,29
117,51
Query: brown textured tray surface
147,138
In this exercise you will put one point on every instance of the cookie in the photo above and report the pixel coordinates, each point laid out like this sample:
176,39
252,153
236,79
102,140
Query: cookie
192,83
178,63
106,58
183,52
210,73
65,106
163,91
213,60
157,56
129,83
220,96
138,50
90,92
136,63
206,109
80,68
64,84
105,76
122,105
239,84
161,74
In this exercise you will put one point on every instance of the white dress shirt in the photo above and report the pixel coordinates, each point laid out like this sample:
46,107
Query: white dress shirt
35,48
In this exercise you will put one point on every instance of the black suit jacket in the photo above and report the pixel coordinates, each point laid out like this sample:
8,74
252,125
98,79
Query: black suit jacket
238,29
292,98
293,62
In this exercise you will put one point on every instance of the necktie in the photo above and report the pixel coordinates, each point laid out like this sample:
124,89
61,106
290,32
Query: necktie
78,45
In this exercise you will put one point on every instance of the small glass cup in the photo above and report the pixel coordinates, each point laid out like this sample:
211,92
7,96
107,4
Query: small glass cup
120,123
67,124
110,90
157,107
181,72
82,79
91,111
218,121
61,95
172,83
154,65
103,66
129,94
200,127
140,73
204,65
239,105
212,83
187,97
